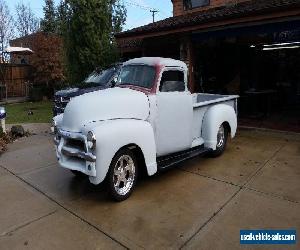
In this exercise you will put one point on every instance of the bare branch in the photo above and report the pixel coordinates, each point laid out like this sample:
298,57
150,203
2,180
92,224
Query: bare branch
26,22
6,28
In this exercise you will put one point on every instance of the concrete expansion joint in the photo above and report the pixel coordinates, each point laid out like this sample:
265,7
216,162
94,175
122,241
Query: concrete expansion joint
27,223
210,219
65,208
210,177
272,195
38,168
241,187
264,165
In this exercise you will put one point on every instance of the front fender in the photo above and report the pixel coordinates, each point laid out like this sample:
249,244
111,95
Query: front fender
112,135
213,118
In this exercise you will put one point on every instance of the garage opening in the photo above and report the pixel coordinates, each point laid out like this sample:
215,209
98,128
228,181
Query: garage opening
261,64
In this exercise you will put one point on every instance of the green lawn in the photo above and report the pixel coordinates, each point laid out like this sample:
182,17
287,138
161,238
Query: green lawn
18,112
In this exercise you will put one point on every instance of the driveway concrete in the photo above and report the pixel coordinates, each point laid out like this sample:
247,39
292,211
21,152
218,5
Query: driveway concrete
59,230
201,204
247,210
20,204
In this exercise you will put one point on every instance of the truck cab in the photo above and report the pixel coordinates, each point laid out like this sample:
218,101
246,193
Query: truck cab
149,120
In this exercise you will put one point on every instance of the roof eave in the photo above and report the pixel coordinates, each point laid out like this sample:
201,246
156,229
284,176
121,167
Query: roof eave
133,32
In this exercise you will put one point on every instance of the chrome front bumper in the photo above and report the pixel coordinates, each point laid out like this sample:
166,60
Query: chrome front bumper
80,159
77,153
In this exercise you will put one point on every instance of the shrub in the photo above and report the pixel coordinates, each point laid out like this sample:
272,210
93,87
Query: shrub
37,92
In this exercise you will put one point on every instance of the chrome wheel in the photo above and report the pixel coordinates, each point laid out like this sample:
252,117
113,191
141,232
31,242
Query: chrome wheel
124,174
221,137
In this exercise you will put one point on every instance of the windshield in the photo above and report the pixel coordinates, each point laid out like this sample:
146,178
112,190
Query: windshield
101,77
137,75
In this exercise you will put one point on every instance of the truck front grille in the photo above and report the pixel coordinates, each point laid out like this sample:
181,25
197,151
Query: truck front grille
76,143
72,152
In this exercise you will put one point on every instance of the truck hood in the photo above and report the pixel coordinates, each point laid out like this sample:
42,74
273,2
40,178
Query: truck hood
113,103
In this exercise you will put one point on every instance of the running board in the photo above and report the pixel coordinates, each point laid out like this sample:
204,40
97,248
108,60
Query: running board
165,162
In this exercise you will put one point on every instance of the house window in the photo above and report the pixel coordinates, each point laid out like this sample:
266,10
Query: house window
190,4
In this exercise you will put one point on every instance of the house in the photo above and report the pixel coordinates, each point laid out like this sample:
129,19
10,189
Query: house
245,47
17,73
43,67
23,42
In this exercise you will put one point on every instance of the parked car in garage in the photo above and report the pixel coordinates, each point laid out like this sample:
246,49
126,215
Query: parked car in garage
149,120
97,80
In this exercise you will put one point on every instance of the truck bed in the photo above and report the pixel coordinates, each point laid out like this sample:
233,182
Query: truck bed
202,99
201,103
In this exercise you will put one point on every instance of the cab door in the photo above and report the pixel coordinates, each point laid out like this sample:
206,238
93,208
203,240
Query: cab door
174,113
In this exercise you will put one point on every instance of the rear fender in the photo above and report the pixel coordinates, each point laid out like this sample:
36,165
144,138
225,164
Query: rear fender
213,118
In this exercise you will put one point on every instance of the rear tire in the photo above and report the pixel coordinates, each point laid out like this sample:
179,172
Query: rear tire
222,137
122,175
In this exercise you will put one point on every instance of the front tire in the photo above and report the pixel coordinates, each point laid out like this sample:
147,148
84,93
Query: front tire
222,137
122,176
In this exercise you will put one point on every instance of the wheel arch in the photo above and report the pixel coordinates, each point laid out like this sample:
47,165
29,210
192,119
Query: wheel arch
227,127
138,152
214,117
114,135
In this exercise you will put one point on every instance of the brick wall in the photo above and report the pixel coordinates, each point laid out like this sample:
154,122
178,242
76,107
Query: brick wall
179,10
177,7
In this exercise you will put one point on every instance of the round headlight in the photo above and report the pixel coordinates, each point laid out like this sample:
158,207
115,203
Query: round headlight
91,139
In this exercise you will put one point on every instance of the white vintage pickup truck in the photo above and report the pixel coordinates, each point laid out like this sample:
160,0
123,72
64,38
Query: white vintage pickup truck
149,121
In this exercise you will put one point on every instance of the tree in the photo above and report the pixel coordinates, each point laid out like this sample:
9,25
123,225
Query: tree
26,22
49,22
6,28
89,35
63,16
47,59
118,15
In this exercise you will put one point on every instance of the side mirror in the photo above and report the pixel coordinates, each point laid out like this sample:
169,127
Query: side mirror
172,86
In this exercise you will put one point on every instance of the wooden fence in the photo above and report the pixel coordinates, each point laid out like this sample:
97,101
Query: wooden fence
14,79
